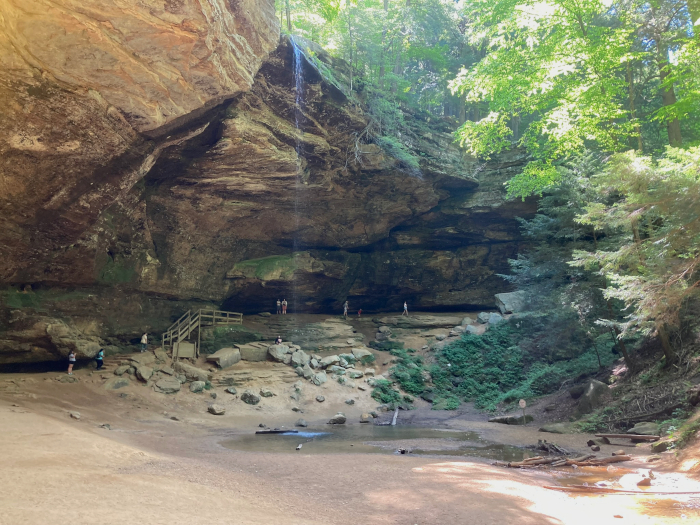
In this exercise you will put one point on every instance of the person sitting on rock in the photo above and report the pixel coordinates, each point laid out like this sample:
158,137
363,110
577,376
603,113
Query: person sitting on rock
100,358
278,341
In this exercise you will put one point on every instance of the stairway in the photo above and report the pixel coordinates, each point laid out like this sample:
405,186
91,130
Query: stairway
181,329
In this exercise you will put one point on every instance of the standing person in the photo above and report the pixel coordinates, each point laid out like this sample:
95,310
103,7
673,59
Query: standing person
100,358
405,309
144,342
345,309
284,306
359,313
279,306
71,362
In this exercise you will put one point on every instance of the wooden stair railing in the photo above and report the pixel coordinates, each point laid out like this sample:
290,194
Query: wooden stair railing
191,321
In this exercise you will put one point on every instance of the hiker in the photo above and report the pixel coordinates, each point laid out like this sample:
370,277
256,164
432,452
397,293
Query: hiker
71,362
100,358
405,309
278,341
359,313
284,307
345,310
144,342
279,306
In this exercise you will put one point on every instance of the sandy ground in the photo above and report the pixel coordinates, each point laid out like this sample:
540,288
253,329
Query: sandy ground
151,469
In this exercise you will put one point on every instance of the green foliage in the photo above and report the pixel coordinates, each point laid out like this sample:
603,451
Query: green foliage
384,393
39,299
408,372
368,359
268,268
400,152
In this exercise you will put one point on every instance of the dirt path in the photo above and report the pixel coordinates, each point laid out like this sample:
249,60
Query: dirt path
149,468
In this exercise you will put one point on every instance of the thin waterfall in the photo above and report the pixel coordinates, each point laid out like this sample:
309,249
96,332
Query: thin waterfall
298,116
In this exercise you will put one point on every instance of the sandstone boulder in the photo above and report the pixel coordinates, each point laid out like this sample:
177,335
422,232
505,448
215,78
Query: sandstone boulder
192,373
320,399
365,418
121,370
231,390
116,383
595,396
167,385
483,317
301,423
197,386
217,410
511,302
495,318
144,373
645,429
360,353
225,357
278,352
338,419
250,397
329,360
319,378
300,358
355,374
266,392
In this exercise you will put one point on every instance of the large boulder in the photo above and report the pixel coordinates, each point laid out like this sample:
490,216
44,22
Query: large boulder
167,385
319,378
217,410
250,397
300,358
483,317
116,383
144,373
495,318
121,370
192,373
360,353
329,360
595,396
225,357
558,428
278,352
509,303
645,429
355,374
512,420
338,419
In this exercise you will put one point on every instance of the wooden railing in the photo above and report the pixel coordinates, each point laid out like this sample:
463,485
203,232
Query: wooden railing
183,327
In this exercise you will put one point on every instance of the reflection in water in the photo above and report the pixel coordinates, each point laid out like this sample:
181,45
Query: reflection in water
377,440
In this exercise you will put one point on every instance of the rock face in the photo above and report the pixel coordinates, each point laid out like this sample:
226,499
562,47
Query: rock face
133,174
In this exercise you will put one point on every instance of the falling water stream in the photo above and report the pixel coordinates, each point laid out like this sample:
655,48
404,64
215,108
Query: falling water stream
298,116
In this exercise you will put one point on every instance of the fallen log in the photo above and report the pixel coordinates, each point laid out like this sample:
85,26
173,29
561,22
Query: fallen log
603,490
542,461
598,462
629,436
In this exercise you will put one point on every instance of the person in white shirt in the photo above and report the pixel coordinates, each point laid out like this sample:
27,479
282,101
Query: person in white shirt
144,342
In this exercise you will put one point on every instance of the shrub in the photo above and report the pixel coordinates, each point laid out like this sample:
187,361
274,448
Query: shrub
385,393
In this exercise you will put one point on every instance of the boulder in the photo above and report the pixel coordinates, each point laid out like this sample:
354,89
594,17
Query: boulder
197,386
343,363
167,385
384,330
192,373
458,330
299,370
349,358
329,360
225,357
471,329
278,352
250,397
287,359
467,321
361,353
369,372
558,428
307,371
231,390
167,370
319,378
483,317
645,429
116,383
320,399
509,303
254,352
217,410
355,374
349,401
300,358
313,363
379,336
441,337
301,423
266,392
121,370
161,356
495,318
577,391
335,369
338,419
144,372
365,418
594,397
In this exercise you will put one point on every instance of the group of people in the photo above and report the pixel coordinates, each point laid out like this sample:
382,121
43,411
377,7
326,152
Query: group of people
282,306
100,356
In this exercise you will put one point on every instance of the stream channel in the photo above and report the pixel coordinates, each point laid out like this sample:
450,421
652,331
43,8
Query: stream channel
370,439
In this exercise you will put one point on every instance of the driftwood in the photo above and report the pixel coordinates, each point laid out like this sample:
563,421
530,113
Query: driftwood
634,437
560,461
552,448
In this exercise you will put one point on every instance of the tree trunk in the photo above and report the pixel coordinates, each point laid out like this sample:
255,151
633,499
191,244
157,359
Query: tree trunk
666,345
633,111
668,95
289,15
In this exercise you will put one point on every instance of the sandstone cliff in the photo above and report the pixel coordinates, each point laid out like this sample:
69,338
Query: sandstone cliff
156,211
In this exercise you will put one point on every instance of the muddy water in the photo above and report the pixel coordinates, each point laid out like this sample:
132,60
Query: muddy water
377,440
